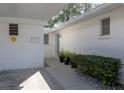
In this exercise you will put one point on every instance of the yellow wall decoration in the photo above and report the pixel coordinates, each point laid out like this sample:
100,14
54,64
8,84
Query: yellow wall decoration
13,38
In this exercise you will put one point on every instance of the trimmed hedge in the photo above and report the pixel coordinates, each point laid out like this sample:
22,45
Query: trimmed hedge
104,69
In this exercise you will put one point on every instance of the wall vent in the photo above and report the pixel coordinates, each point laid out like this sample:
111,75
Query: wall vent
13,29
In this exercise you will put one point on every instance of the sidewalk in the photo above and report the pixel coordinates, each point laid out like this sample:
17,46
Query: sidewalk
66,76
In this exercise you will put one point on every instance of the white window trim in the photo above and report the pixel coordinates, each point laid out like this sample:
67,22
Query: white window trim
100,37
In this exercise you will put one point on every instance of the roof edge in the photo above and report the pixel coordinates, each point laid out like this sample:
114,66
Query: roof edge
91,13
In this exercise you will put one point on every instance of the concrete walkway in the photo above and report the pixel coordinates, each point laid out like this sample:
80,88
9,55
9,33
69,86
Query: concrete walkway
55,76
28,79
67,76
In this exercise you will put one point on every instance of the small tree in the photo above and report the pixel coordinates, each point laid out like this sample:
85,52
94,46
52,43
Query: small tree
68,12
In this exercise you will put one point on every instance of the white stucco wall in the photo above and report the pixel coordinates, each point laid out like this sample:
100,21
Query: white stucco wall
85,37
49,49
24,53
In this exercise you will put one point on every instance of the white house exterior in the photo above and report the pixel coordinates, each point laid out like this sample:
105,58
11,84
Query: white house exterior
50,48
83,34
28,50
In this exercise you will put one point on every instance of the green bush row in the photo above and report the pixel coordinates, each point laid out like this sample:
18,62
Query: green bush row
103,68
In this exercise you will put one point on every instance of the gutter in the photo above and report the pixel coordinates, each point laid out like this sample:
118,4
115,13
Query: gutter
89,14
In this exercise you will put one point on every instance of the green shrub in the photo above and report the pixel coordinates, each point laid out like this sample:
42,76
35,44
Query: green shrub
61,53
67,55
75,59
103,68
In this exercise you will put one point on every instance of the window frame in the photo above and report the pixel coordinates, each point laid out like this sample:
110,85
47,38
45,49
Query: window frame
101,27
46,43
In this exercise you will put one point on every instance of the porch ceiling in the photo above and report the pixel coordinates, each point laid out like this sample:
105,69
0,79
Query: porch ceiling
39,11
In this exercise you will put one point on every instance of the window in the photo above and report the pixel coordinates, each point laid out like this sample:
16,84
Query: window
105,23
46,38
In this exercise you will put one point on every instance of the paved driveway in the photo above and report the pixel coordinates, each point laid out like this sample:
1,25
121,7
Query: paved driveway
28,79
55,76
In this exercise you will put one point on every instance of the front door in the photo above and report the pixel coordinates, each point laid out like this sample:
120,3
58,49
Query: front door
57,42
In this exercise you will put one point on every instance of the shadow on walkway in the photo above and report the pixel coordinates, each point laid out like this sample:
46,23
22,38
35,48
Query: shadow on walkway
13,80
